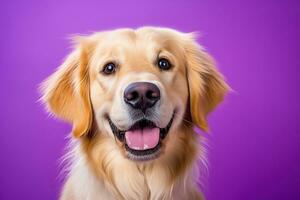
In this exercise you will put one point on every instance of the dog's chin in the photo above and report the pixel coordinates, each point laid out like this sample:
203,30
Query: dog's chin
143,140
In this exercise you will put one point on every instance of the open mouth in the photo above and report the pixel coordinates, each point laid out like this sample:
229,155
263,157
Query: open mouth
143,139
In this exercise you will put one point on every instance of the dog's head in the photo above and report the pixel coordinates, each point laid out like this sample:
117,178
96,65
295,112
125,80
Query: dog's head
135,88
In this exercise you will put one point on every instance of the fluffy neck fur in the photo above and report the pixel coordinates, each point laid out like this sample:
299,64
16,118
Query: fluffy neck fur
99,170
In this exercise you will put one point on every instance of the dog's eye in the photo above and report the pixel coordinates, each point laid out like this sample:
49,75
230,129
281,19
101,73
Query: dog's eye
109,68
163,64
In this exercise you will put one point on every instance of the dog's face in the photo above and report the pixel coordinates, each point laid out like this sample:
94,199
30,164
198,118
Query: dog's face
136,88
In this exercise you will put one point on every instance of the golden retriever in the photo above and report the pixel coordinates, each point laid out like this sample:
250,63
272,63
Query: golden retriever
133,98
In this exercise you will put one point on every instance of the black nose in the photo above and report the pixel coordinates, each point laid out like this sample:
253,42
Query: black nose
141,95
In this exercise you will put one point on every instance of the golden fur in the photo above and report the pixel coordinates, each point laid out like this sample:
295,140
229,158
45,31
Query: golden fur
77,92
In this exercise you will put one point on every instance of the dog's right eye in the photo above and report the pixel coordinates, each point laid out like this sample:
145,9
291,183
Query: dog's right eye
109,68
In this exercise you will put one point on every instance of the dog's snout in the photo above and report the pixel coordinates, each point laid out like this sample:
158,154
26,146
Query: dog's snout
141,95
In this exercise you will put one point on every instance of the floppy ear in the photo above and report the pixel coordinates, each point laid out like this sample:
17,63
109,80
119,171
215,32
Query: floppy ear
66,92
206,85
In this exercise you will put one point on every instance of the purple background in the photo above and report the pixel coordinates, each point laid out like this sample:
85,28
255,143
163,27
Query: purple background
255,141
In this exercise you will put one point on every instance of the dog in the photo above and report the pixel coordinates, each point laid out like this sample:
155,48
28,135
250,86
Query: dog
133,97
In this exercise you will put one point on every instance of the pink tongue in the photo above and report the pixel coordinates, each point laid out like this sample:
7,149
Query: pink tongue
142,139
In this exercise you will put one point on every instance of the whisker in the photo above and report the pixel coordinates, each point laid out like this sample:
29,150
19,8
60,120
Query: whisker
187,121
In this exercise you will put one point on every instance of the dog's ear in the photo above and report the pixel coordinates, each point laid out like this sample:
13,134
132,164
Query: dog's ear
66,92
206,85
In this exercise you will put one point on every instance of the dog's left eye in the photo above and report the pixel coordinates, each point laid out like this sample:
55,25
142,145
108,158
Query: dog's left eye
164,64
109,68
